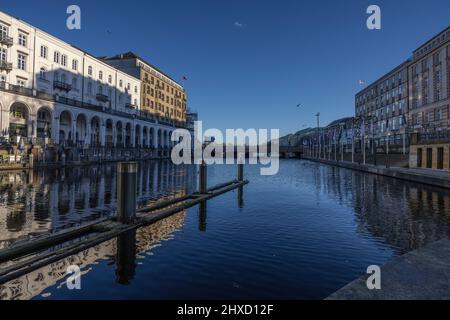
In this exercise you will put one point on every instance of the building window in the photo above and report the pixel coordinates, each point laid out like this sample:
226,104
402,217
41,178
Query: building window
90,71
42,74
110,79
44,52
56,56
22,39
135,89
64,60
74,64
100,75
21,61
121,83
89,88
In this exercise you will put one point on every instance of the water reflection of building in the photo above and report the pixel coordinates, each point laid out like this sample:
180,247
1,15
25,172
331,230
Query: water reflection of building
145,239
35,203
405,215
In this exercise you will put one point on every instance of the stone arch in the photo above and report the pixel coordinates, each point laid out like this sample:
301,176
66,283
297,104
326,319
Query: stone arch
159,138
165,139
19,122
109,132
44,123
65,126
81,128
128,129
137,135
119,132
145,136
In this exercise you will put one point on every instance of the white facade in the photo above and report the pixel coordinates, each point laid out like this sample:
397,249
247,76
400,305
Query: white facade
52,91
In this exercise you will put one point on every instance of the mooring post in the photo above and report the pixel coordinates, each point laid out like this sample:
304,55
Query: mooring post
31,161
203,176
126,191
240,172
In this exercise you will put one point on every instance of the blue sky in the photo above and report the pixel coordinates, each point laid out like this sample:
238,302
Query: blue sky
250,62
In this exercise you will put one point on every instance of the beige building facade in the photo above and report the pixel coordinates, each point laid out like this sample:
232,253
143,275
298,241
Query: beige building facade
160,94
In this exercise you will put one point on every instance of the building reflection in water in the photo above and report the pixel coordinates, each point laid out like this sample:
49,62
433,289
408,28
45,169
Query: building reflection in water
122,250
33,203
405,215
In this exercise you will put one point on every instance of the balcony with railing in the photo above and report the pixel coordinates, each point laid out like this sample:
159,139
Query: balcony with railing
6,40
6,66
102,97
62,86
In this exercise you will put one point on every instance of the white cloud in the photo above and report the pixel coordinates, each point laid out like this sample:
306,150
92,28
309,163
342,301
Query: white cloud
239,24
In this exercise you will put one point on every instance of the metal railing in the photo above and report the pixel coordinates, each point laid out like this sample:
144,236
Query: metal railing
132,114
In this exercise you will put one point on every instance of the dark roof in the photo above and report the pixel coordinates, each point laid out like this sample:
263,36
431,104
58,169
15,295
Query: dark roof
429,40
131,55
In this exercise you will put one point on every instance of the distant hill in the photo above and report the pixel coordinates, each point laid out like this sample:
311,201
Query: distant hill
294,139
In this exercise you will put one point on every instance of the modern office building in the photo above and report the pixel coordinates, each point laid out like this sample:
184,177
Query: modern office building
411,105
429,74
160,94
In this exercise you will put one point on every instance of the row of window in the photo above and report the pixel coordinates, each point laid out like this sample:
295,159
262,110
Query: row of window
162,86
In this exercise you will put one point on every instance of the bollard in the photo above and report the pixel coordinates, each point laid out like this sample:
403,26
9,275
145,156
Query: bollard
240,176
203,176
126,191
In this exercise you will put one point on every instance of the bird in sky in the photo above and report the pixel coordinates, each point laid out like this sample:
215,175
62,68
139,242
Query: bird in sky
299,105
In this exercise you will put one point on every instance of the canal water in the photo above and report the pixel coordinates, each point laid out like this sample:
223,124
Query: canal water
301,234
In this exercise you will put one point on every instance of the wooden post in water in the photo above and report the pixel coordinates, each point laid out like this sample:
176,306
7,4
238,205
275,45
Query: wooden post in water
240,175
203,178
126,191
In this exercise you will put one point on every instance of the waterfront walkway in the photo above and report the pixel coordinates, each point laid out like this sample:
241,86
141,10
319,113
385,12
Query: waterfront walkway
423,274
431,177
